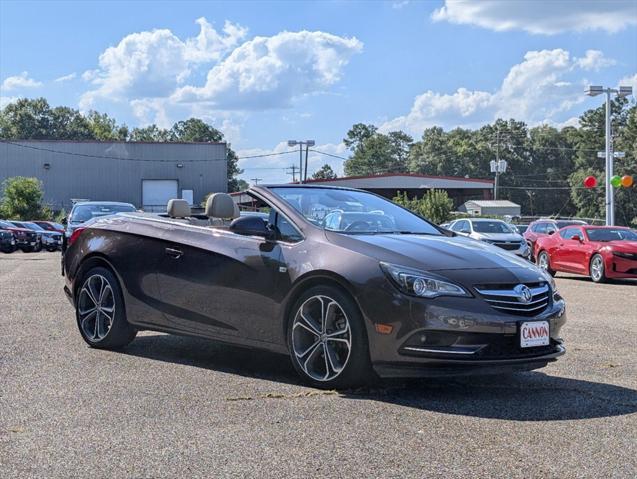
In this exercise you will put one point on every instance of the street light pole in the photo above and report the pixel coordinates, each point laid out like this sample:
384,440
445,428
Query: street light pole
610,197
595,90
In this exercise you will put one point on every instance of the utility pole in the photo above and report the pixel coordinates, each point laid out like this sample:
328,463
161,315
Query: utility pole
293,173
497,166
608,153
307,143
256,180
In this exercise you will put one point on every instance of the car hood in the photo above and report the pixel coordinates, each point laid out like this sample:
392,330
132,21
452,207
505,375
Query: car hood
498,236
431,253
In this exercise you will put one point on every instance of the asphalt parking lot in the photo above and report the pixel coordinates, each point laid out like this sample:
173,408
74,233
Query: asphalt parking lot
178,407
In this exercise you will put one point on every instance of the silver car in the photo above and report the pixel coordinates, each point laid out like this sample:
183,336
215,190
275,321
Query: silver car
495,232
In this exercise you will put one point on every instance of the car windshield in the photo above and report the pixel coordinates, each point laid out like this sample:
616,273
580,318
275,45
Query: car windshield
611,234
5,224
33,226
353,212
491,227
83,213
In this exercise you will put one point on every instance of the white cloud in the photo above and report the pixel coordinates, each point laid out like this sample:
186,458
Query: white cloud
630,81
271,72
64,78
594,60
19,81
5,100
547,18
153,64
540,89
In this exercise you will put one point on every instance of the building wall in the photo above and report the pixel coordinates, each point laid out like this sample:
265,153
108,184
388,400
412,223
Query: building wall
88,170
500,210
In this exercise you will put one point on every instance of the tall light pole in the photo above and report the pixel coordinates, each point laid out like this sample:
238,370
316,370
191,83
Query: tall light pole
595,90
307,144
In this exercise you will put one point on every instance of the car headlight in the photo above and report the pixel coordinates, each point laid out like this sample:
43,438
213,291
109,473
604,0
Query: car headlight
550,280
419,283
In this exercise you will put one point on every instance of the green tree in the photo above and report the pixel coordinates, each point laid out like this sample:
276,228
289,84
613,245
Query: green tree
324,173
22,199
436,205
26,119
374,152
105,128
150,133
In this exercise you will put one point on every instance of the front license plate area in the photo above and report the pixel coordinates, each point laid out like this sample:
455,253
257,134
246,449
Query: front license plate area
534,334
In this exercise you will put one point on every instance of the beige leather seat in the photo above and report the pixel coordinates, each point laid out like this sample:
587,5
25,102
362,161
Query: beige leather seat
221,209
178,208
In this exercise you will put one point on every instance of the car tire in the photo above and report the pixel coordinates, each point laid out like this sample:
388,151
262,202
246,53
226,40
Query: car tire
327,339
100,311
596,269
544,262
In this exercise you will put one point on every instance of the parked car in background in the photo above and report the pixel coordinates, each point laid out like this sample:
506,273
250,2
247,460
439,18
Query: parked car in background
50,226
49,240
492,231
520,228
397,296
601,252
444,225
545,227
87,210
7,241
26,239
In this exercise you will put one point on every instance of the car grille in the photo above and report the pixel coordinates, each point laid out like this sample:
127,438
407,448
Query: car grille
507,245
503,297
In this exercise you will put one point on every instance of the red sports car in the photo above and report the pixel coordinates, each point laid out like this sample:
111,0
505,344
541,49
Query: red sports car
601,252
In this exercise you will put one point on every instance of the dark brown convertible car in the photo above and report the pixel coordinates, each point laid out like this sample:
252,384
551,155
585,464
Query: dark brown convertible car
344,281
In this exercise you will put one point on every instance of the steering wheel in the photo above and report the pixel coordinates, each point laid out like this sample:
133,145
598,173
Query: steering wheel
357,225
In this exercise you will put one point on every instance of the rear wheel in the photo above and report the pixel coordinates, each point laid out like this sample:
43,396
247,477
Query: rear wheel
327,339
100,312
544,262
597,271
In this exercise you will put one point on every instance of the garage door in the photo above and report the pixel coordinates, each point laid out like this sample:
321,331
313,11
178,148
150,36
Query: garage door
156,193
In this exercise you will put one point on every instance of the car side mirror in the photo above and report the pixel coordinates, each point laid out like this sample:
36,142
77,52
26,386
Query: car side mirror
251,226
577,238
64,221
550,232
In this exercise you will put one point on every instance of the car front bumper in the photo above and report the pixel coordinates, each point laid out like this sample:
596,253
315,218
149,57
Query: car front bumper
456,336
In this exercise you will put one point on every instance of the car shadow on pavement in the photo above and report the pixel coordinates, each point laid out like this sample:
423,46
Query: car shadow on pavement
215,356
528,396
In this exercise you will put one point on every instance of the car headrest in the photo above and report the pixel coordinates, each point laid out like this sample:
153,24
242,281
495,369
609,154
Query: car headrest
220,205
178,208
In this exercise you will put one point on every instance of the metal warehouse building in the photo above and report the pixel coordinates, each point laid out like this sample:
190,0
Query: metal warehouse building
144,174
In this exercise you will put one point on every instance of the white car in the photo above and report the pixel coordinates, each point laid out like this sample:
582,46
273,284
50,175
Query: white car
495,232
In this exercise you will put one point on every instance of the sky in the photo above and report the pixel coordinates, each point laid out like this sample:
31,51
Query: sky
264,72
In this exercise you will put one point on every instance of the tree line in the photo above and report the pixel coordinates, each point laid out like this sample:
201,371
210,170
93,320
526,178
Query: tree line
546,165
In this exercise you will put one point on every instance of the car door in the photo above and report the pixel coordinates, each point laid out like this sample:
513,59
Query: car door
217,283
579,251
561,252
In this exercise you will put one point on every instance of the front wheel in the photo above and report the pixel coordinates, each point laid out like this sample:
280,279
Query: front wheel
327,339
100,312
597,271
544,263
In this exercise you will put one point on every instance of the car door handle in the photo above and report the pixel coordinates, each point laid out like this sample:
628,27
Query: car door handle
174,253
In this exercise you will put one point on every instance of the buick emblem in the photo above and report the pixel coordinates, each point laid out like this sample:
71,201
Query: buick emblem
524,293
